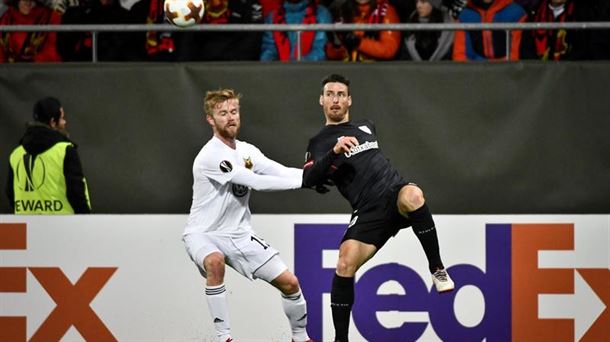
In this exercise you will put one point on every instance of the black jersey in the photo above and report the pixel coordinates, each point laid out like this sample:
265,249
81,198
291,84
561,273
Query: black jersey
362,175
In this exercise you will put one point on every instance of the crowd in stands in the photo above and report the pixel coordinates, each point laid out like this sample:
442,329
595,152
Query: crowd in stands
357,46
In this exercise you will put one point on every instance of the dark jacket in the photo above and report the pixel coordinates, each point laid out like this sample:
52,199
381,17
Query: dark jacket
428,45
112,46
39,138
229,46
488,45
567,44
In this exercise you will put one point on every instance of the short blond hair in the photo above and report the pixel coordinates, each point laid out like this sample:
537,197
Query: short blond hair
214,97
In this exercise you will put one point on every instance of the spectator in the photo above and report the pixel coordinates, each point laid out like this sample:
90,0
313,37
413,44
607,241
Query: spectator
558,44
228,46
488,45
157,46
562,44
428,45
278,45
361,45
112,46
28,46
45,173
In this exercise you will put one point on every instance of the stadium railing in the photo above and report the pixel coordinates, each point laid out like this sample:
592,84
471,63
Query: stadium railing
299,28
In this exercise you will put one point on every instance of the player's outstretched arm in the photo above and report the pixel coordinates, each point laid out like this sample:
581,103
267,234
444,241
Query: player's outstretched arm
258,182
266,166
317,171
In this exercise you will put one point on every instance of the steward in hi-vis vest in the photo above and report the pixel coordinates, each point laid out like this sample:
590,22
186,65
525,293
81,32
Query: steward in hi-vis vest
45,173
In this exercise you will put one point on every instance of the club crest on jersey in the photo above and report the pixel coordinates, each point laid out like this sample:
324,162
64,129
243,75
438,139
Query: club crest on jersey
248,163
225,166
365,129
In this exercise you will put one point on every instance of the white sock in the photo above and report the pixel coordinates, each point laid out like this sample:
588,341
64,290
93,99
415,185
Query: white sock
217,302
295,308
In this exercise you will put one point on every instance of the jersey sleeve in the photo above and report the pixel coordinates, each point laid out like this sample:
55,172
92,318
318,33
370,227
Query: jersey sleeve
258,182
226,169
266,166
218,168
318,164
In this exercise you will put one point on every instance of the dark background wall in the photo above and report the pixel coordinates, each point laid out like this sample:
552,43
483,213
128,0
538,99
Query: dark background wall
478,138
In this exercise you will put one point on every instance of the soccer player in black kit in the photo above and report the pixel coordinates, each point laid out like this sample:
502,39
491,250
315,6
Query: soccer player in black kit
346,153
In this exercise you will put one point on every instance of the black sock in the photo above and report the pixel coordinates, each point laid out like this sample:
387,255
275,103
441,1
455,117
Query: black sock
341,301
425,230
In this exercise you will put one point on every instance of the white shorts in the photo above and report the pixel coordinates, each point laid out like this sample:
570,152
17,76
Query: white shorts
246,254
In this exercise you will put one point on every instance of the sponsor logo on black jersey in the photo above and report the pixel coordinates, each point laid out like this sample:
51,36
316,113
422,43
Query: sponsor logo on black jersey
367,145
239,190
225,166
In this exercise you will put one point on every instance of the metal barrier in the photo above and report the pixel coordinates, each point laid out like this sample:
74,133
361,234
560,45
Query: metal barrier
299,28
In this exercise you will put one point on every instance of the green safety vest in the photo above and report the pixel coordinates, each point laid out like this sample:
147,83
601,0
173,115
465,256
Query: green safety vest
39,182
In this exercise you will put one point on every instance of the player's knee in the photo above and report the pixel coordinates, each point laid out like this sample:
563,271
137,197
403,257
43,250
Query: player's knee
214,263
291,286
345,268
410,198
287,283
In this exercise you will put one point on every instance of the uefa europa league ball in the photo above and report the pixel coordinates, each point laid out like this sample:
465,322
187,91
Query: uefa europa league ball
184,13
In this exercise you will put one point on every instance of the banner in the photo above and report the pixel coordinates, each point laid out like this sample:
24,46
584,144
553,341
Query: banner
536,133
128,278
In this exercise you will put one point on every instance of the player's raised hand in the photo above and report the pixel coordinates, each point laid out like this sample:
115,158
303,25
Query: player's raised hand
344,144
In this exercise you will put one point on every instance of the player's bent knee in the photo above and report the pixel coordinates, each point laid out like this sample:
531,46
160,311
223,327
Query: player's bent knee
287,283
345,268
291,286
214,263
410,198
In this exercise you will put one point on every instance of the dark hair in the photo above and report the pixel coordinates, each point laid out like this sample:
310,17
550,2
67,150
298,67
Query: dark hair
47,109
332,78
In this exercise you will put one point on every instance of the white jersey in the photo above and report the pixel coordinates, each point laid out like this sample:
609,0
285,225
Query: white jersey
222,178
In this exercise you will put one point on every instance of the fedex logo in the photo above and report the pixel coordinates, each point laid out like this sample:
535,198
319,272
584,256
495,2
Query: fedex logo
524,299
72,300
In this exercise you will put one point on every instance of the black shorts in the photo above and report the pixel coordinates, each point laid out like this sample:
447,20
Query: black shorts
378,221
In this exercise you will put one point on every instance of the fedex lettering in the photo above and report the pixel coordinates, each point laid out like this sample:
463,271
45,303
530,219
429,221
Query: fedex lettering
72,300
511,286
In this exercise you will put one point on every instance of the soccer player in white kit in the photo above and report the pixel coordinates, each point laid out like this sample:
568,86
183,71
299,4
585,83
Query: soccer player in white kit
218,231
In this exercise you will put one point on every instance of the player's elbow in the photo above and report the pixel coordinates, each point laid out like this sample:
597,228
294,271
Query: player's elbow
308,181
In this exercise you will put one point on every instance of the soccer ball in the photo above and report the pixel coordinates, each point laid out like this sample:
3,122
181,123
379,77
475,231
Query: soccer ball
184,13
